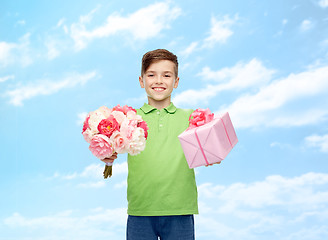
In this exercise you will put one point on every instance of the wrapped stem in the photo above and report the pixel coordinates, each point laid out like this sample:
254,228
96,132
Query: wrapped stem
108,171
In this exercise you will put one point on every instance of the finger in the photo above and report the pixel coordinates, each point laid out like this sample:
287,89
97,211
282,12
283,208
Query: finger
211,164
107,160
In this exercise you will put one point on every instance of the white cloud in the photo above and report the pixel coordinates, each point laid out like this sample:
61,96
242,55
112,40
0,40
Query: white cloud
193,97
98,184
264,101
323,3
81,118
122,184
60,22
263,107
93,171
276,207
6,78
12,53
318,141
53,49
21,22
120,168
309,233
220,30
276,190
137,101
262,209
46,87
240,76
324,43
55,43
5,49
190,49
143,24
284,21
213,228
280,145
306,25
71,224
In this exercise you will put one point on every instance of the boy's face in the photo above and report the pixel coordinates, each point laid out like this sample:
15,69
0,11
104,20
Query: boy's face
159,81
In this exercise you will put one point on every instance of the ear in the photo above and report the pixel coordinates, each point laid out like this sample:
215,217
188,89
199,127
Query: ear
141,82
176,83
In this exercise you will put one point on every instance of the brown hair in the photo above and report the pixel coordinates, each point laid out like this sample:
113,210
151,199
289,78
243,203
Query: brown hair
157,55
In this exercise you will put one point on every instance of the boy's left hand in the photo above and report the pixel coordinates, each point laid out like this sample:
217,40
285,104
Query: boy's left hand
212,164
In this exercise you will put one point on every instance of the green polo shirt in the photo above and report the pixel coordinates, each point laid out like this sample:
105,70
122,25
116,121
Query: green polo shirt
159,179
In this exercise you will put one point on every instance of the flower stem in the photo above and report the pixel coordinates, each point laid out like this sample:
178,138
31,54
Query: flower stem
108,171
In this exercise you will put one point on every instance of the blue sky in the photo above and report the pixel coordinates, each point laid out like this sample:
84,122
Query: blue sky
265,62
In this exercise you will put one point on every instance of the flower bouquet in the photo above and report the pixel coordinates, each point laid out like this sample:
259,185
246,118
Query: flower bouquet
118,129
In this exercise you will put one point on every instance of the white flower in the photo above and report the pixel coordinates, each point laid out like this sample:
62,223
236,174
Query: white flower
104,111
138,142
95,119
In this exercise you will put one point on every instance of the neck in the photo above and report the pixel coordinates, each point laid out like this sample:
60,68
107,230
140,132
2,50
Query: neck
159,104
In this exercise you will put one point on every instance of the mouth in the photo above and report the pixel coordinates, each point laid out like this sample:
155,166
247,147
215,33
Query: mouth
158,89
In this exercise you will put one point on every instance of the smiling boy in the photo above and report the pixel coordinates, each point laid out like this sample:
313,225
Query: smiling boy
162,192
158,81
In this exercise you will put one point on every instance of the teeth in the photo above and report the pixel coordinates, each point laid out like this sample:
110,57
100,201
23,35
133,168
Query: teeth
158,89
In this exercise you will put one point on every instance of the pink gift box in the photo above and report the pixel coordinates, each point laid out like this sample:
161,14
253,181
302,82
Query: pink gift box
209,143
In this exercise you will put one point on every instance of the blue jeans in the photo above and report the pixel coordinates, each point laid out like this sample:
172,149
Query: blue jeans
180,227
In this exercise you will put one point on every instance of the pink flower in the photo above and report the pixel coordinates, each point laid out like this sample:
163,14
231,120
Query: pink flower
119,116
127,128
125,109
200,117
144,126
88,135
86,124
120,143
100,147
108,126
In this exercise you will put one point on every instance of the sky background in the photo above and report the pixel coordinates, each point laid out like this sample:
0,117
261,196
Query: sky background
265,62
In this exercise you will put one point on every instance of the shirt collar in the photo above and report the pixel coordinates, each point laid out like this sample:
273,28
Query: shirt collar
146,108
170,108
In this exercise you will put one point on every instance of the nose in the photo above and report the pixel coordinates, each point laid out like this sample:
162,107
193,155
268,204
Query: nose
159,80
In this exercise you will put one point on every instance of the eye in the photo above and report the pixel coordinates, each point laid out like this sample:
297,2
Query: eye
167,75
150,75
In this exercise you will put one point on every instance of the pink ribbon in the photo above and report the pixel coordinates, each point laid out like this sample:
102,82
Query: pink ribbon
200,145
226,132
201,148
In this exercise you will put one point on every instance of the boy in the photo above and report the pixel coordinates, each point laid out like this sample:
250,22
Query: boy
162,192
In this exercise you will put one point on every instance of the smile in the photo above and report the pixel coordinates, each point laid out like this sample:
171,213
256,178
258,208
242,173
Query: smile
158,89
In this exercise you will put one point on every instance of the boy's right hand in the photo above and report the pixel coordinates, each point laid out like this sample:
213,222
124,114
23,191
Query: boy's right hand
111,159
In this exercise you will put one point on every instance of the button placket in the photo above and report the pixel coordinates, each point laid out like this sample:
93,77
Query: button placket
160,120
